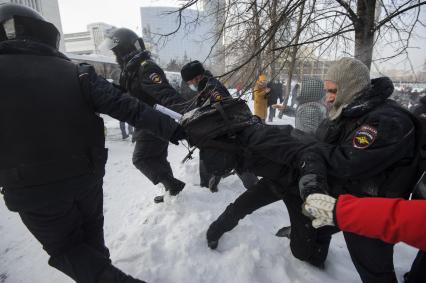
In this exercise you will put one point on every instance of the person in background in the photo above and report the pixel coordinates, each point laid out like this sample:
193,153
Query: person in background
289,110
310,112
260,93
186,92
125,134
275,94
239,89
210,90
294,93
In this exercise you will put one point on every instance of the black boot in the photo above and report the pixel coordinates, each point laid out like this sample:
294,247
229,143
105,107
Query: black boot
227,221
213,235
173,185
111,274
213,182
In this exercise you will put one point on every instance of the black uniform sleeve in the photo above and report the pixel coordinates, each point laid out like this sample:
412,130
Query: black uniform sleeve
104,98
276,144
380,142
154,82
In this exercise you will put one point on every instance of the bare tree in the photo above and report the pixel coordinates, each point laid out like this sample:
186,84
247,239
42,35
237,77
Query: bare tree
258,34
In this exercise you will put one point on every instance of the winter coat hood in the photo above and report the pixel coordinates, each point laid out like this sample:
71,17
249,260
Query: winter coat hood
312,90
380,90
352,78
262,78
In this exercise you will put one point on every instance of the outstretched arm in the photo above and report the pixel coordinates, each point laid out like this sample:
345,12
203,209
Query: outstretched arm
104,98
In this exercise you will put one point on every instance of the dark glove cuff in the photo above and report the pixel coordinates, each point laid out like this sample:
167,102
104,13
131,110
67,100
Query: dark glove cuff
179,134
311,184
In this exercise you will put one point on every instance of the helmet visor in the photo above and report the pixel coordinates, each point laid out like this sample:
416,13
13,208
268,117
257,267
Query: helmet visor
109,44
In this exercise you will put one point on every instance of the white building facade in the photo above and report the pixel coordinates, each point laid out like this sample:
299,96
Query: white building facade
88,42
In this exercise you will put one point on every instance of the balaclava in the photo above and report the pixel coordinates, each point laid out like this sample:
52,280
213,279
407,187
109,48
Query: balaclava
352,78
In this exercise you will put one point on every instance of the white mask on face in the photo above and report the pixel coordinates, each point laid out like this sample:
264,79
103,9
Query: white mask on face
193,87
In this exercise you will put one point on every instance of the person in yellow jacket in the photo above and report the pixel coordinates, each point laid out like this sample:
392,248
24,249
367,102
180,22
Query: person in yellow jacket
260,93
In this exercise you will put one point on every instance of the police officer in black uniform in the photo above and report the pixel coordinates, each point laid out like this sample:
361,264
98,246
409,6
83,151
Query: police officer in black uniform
145,80
210,90
369,148
52,171
418,268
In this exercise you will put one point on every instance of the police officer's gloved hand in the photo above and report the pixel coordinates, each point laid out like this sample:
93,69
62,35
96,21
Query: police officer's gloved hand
179,134
321,208
313,174
311,184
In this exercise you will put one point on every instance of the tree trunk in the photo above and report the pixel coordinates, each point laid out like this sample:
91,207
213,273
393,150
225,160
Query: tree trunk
257,43
364,31
294,54
273,43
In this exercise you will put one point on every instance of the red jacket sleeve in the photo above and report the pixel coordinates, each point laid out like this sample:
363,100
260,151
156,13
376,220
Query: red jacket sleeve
391,220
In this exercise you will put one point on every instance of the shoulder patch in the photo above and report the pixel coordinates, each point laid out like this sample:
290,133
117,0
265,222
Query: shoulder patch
364,137
216,96
155,78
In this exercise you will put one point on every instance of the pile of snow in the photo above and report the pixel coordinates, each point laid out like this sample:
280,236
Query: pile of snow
165,243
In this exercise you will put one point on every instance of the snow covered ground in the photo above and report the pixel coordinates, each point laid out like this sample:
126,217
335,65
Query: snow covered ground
165,243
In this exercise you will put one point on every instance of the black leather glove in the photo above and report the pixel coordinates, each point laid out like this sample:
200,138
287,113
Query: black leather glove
311,184
313,174
179,134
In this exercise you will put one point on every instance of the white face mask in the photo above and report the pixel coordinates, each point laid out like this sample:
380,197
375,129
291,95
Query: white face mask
193,87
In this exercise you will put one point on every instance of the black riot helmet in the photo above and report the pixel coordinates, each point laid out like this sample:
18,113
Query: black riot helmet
21,22
123,42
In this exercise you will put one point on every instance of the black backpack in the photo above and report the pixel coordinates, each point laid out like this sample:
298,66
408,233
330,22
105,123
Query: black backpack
220,119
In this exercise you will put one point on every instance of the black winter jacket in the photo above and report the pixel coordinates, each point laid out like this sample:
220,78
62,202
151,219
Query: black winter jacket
34,64
371,149
145,80
211,89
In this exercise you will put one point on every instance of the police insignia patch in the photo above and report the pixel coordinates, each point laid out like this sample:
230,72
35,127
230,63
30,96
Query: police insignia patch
155,78
217,96
364,137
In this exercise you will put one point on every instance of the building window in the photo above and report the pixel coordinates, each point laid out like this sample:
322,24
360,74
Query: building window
35,4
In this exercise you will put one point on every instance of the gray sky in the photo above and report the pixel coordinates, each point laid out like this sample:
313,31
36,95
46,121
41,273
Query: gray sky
76,14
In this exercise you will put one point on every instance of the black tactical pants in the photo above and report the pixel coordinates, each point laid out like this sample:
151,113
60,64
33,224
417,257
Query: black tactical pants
150,156
67,219
271,114
372,258
306,244
248,178
418,269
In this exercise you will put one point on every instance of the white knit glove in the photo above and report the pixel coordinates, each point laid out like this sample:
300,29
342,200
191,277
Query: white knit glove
320,207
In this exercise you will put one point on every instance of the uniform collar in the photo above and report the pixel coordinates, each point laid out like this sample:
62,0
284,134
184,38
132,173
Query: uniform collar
29,47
